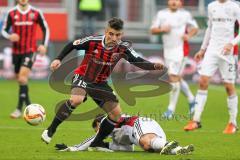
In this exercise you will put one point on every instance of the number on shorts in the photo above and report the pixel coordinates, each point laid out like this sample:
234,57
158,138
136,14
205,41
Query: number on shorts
81,83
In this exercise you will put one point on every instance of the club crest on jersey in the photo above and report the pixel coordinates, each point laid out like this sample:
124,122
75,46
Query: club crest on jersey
77,42
16,17
31,16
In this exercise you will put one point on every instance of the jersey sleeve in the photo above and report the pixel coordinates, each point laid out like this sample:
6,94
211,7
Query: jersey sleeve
44,27
83,145
206,38
6,26
134,58
80,44
156,23
191,21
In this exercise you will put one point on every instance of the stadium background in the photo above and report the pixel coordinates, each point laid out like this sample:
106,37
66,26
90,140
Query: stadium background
65,22
18,140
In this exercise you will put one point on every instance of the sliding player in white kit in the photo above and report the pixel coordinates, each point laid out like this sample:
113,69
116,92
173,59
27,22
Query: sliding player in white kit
172,23
141,131
217,53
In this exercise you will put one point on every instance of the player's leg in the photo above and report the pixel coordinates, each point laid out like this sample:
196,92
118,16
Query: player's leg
23,66
228,72
188,93
105,98
149,134
174,71
232,102
107,125
208,67
78,94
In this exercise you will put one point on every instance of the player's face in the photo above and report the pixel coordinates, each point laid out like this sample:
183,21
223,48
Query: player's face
112,37
174,4
23,2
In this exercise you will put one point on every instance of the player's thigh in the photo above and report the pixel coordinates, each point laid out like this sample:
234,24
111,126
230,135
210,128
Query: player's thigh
209,65
28,60
228,70
16,61
144,126
175,68
103,95
78,90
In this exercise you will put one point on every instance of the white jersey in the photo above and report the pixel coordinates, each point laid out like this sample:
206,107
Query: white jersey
172,41
222,17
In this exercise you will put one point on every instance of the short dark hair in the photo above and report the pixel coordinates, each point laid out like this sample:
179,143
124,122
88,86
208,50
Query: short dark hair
97,119
116,23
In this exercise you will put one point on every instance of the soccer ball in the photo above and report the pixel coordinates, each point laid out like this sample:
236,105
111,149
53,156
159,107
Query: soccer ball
34,114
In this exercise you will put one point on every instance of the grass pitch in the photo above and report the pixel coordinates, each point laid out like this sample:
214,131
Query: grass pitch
18,140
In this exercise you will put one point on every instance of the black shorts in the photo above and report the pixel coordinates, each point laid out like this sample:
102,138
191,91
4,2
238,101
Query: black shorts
99,92
26,60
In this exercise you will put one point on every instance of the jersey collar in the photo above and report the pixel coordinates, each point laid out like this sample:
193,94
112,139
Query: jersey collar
24,12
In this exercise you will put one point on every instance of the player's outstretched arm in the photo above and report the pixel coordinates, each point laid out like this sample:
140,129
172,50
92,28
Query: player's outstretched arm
135,59
79,147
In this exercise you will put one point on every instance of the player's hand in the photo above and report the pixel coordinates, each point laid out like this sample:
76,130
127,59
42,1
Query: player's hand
55,64
165,28
199,55
227,49
185,37
159,66
42,50
61,147
14,37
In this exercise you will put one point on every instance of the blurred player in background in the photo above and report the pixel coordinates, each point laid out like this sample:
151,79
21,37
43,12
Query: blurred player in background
20,28
141,131
172,23
217,53
102,53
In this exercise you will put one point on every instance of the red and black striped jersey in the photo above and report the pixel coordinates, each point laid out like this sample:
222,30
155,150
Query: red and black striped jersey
99,61
24,23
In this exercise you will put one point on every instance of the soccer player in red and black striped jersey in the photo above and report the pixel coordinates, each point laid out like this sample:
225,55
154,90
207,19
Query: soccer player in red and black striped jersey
101,55
20,28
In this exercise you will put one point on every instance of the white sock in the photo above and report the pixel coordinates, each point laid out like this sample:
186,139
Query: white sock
186,91
157,143
174,151
200,100
174,96
232,102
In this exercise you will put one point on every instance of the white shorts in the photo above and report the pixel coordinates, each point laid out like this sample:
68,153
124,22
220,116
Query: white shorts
226,65
175,67
143,126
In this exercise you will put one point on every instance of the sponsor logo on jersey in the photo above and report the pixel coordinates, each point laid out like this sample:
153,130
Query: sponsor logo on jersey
24,23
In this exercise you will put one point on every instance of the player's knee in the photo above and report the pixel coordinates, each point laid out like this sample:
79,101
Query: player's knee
230,89
22,79
203,83
76,100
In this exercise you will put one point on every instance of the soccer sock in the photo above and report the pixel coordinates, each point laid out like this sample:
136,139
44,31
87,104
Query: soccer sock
63,113
21,96
232,102
174,96
200,100
27,99
106,127
186,91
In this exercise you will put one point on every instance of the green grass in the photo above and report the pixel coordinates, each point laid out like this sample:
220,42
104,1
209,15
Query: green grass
18,140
